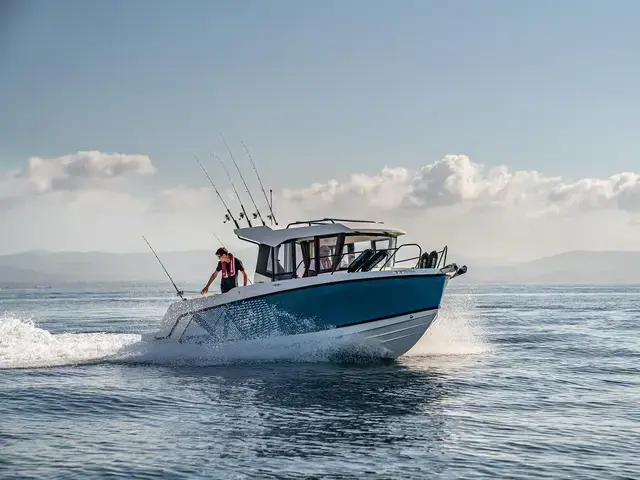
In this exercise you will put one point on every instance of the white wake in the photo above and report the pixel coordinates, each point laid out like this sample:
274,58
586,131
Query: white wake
24,345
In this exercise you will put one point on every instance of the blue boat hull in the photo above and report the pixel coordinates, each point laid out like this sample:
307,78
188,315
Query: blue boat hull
314,308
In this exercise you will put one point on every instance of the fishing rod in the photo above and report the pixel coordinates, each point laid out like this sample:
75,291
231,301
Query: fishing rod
257,214
228,216
219,241
272,216
244,212
178,291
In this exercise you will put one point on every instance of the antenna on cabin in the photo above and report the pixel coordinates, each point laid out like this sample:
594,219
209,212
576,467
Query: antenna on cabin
243,214
257,214
178,291
228,216
272,216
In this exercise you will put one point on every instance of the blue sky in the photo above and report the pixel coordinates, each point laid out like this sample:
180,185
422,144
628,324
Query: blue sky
323,89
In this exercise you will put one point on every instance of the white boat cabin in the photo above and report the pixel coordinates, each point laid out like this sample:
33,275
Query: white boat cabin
324,246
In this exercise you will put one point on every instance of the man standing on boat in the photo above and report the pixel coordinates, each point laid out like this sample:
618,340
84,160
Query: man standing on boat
229,266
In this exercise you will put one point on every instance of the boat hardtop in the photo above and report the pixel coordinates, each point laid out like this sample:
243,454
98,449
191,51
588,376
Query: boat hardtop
326,227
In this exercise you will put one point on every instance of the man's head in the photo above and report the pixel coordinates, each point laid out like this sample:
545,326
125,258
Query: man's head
222,253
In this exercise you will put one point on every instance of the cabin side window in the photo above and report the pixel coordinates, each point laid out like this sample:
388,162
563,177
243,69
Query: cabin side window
308,263
344,256
325,253
355,246
264,262
305,258
335,253
301,260
281,264
277,263
381,244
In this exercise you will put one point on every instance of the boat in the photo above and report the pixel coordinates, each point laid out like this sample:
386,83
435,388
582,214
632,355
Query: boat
330,280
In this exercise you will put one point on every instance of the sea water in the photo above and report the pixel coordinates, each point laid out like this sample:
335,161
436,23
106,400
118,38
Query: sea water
510,382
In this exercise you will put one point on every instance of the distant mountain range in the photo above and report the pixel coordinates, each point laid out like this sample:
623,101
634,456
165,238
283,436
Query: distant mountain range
574,267
38,268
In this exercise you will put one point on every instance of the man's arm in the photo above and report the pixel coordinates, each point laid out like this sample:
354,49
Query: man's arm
211,280
244,276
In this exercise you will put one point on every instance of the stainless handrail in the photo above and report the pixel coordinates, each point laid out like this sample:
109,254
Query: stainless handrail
442,255
396,251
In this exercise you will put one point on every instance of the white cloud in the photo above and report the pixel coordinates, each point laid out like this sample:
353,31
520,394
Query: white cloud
456,180
618,192
83,170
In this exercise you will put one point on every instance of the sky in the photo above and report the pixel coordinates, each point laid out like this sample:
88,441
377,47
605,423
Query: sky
503,129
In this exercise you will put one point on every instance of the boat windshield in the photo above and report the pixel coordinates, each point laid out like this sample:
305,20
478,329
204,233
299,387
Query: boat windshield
306,257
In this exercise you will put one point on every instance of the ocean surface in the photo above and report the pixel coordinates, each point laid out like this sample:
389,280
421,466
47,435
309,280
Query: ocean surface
510,382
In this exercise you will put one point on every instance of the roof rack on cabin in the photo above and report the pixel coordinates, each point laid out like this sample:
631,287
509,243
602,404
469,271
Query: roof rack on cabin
322,221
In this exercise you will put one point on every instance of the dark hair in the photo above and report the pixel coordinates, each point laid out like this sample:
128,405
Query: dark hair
221,251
